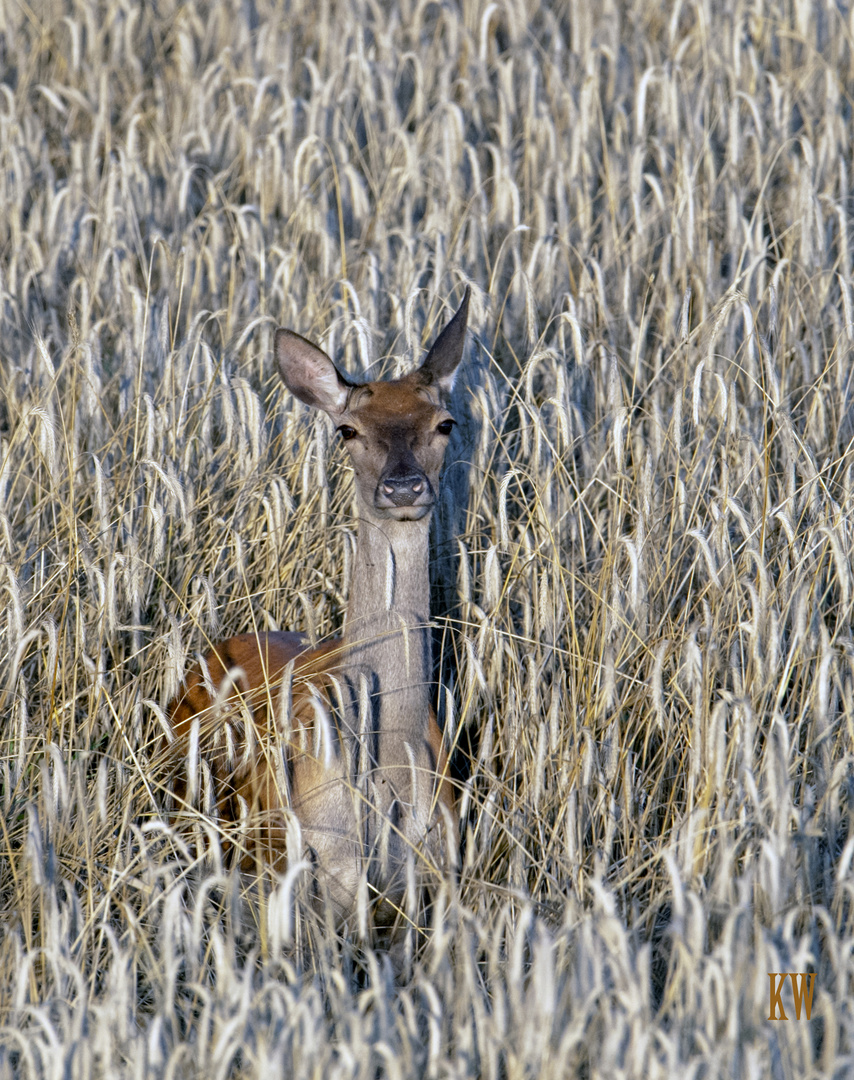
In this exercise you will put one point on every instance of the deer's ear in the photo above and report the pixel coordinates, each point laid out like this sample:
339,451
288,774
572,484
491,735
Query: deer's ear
440,365
309,374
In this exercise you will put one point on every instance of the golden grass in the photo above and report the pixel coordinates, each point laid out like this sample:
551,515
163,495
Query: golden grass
643,555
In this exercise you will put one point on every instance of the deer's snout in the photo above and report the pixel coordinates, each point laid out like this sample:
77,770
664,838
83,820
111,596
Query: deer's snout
403,484
405,490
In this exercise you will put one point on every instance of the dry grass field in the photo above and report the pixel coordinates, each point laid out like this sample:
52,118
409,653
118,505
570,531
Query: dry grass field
643,560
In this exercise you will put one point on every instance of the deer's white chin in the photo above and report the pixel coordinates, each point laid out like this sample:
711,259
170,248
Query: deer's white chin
403,513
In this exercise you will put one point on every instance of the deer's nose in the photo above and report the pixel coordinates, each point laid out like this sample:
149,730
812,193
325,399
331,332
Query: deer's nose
404,489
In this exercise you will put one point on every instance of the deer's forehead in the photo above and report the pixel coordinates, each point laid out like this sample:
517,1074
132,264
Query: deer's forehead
392,403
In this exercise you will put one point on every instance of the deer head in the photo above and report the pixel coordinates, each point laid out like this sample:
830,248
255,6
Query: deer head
396,432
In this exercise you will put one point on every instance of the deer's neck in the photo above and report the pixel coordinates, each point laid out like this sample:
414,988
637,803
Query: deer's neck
387,632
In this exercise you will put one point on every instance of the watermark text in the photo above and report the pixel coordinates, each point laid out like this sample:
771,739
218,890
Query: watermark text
802,988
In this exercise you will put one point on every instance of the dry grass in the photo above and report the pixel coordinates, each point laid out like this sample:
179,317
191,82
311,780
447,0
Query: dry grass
644,572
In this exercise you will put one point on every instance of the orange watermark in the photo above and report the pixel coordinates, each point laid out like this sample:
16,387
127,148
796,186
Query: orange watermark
802,995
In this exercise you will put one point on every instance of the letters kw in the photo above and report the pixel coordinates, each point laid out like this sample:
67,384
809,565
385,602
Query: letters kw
801,994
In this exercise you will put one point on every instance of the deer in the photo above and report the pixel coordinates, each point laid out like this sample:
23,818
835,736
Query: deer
353,749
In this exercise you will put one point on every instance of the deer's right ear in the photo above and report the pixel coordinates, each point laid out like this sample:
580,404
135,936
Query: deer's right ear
440,365
309,374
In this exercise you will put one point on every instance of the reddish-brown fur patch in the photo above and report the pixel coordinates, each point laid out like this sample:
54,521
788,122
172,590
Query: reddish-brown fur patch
249,783
240,778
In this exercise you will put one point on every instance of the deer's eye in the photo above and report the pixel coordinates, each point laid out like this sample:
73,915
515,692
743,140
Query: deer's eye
445,427
346,432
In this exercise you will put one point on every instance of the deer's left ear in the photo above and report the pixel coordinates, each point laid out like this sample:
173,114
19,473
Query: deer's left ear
440,365
308,373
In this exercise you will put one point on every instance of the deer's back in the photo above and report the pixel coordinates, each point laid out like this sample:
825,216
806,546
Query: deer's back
238,732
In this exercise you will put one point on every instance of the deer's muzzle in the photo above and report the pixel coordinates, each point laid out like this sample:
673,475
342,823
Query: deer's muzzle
404,488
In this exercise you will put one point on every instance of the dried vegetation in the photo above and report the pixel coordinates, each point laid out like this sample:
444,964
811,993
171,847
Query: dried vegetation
644,573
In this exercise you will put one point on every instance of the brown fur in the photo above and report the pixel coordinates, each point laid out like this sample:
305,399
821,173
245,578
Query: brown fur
251,784
263,658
